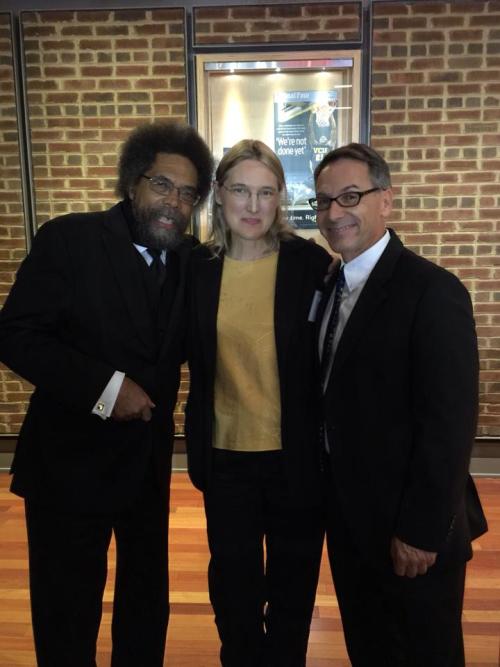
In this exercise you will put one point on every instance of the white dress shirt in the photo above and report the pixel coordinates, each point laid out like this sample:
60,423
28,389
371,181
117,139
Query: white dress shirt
356,272
106,401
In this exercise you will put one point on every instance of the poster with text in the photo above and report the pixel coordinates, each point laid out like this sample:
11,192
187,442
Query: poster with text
305,129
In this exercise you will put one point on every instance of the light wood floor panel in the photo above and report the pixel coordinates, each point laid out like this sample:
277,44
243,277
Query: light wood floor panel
192,639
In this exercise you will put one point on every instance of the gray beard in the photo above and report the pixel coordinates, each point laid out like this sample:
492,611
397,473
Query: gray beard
146,233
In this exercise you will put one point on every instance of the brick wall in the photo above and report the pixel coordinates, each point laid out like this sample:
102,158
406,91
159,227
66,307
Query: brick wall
262,23
92,76
436,118
435,115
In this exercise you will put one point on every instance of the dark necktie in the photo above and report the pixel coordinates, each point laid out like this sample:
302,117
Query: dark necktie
332,325
157,267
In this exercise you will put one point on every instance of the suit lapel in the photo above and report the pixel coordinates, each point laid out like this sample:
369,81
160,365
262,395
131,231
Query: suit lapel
371,298
172,308
122,257
208,287
287,299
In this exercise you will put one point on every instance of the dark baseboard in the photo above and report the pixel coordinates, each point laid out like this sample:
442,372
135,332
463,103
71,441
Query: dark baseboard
485,454
484,447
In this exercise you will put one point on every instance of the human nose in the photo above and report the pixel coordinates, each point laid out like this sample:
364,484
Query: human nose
253,201
172,197
335,210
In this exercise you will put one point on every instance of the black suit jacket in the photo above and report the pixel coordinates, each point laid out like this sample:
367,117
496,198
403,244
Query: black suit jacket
77,312
301,269
400,410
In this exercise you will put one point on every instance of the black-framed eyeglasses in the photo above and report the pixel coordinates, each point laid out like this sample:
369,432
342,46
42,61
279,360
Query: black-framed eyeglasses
345,199
164,186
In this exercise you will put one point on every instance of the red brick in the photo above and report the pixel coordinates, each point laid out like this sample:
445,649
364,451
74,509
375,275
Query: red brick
252,12
167,43
308,24
427,63
447,21
407,77
229,26
150,29
482,21
388,91
168,15
466,36
390,9
285,11
55,16
96,71
114,84
94,44
211,13
428,8
323,10
130,44
211,39
426,90
463,114
424,116
342,24
132,15
260,26
131,70
389,37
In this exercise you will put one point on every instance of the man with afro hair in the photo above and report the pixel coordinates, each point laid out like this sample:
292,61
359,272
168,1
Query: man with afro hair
95,322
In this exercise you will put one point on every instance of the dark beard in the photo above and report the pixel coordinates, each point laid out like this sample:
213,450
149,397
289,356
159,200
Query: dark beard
145,232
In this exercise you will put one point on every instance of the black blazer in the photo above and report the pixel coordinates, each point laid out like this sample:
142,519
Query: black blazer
77,312
401,408
301,269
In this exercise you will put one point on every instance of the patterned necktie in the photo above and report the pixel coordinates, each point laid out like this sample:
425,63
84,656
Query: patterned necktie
332,325
157,267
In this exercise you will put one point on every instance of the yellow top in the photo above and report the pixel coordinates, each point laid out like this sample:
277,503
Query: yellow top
247,398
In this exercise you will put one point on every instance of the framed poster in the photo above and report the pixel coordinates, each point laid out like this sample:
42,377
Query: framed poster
302,108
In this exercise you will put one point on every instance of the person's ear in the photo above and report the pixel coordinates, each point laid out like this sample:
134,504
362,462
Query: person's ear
387,198
217,189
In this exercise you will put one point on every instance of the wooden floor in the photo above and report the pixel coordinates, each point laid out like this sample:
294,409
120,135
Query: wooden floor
192,640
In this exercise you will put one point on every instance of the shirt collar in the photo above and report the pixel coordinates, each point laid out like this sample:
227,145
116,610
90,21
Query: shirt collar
358,269
144,252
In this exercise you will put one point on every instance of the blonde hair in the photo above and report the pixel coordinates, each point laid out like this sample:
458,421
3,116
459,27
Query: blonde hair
248,149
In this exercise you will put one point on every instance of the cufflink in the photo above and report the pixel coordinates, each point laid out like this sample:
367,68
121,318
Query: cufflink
100,406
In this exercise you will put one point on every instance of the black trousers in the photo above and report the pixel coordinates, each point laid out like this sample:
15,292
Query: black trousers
263,601
68,568
392,621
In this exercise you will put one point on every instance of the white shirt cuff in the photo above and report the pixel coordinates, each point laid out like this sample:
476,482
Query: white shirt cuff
106,401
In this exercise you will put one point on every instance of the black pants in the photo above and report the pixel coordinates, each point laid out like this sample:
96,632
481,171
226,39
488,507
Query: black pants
263,604
68,568
392,621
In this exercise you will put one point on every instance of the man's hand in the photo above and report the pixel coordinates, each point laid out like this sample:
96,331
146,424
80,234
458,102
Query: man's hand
132,402
409,561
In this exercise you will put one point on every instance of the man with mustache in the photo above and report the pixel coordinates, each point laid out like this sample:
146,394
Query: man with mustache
95,320
399,368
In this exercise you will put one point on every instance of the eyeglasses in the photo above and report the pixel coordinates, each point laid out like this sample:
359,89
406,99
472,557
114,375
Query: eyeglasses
243,194
164,186
346,199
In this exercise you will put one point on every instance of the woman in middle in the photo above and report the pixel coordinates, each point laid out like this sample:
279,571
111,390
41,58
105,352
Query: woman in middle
252,413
